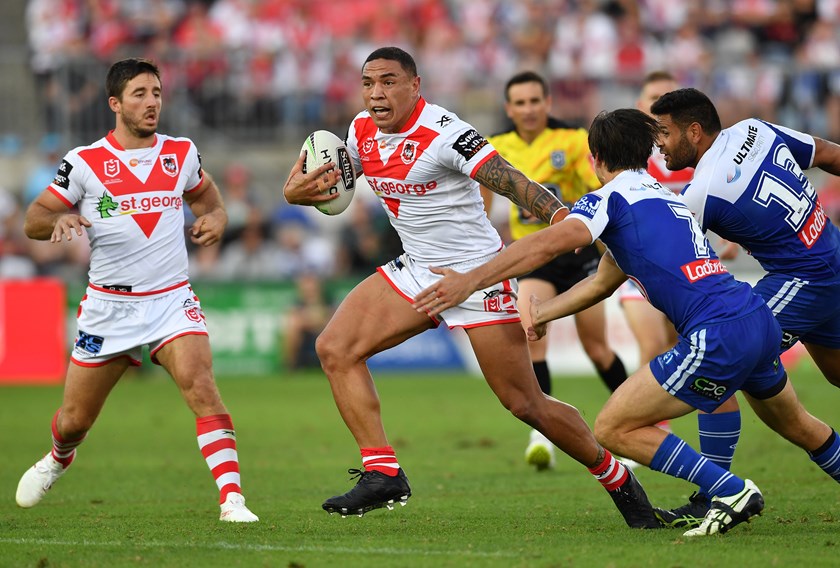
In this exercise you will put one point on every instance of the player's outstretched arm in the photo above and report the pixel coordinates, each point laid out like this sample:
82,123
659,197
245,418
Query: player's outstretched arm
209,210
582,295
308,189
827,156
521,257
48,217
499,176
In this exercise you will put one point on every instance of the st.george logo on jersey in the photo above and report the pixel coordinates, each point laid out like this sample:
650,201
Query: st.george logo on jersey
169,163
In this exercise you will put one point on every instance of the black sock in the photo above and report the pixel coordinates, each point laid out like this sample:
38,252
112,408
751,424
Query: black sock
543,376
615,375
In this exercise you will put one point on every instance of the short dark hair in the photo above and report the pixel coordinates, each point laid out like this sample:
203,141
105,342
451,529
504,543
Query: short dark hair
686,106
526,77
395,54
659,75
124,71
623,138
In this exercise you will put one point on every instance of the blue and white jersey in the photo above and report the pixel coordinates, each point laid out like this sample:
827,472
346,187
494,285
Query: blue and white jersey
749,187
657,242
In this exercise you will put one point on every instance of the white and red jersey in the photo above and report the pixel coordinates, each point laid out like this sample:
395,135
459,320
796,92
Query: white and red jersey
423,176
134,200
675,181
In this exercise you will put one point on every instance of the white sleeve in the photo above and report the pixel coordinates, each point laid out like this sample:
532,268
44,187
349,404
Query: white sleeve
591,209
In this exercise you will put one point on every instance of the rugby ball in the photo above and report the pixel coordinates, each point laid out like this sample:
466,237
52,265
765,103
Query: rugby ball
322,147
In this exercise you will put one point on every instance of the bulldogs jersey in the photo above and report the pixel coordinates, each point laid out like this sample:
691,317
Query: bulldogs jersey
134,200
749,187
657,242
423,178
558,158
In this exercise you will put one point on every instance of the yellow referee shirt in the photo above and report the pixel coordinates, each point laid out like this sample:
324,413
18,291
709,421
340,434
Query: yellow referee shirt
558,158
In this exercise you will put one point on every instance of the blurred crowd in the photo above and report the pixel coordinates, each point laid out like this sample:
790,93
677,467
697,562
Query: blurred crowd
268,65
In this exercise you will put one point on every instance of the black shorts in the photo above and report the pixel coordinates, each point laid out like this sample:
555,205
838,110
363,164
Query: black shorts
568,269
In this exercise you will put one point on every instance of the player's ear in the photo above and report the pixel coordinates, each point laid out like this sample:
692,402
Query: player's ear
694,132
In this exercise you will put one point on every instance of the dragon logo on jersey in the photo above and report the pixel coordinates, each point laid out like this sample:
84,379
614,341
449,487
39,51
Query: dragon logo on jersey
367,146
112,167
105,205
558,159
170,164
409,152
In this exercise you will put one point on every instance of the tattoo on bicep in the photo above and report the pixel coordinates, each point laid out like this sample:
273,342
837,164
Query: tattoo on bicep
497,175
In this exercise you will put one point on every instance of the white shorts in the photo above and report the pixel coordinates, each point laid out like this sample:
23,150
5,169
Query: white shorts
630,291
114,324
490,306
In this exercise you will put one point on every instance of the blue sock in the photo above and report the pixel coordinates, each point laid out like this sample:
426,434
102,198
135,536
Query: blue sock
827,456
719,435
678,459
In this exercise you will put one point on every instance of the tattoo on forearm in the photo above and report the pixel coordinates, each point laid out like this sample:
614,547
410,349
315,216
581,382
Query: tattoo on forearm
500,177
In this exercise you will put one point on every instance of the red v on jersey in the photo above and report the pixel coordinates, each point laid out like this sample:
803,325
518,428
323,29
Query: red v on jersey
117,177
398,164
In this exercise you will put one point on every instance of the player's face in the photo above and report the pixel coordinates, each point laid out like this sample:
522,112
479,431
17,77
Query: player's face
652,91
678,151
389,94
528,107
138,111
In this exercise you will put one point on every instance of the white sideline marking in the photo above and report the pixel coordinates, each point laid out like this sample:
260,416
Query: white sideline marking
260,547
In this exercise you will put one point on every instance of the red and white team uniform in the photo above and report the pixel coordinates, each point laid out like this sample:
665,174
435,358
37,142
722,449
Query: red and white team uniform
423,176
138,292
675,181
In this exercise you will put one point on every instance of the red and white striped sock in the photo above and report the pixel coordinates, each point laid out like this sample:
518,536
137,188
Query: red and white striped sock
611,473
217,442
383,460
63,451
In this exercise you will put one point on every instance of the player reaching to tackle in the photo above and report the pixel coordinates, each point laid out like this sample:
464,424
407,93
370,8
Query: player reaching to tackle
425,166
130,188
750,188
728,337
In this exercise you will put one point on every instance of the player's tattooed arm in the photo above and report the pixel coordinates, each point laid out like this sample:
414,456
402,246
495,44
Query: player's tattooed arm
499,176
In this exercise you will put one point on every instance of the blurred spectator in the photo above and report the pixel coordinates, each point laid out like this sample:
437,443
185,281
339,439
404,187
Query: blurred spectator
43,173
251,257
367,241
14,261
304,321
299,248
240,200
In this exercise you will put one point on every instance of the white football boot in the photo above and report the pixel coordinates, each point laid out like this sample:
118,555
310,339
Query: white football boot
540,451
37,481
235,511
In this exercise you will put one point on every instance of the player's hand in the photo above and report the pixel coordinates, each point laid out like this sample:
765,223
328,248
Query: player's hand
728,250
68,224
308,189
209,228
446,293
536,331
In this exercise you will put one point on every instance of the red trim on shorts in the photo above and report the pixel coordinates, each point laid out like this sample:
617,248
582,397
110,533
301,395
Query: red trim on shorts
133,362
400,292
630,298
517,319
61,197
136,294
482,162
170,340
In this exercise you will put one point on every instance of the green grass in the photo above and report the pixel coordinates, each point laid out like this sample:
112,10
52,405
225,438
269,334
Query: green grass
140,495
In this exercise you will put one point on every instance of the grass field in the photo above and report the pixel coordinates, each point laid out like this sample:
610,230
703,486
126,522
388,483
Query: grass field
139,493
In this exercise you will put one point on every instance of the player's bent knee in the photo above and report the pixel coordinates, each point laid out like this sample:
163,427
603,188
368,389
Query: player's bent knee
607,432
